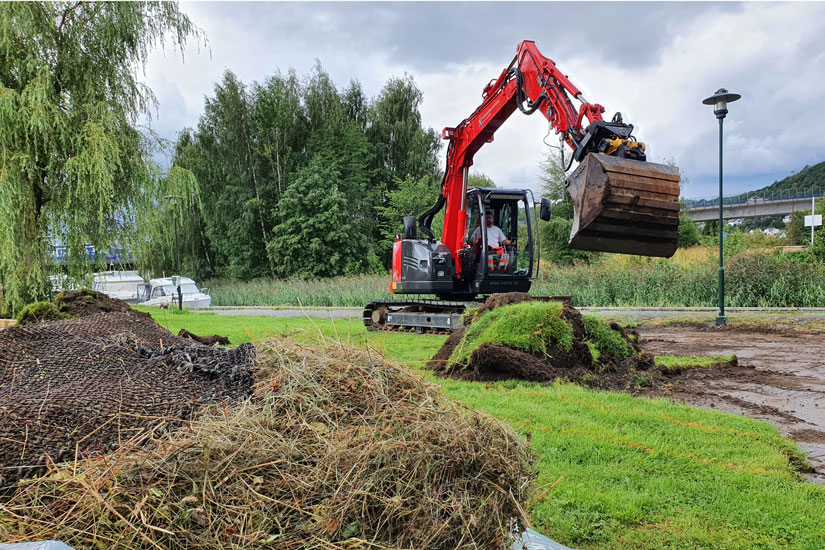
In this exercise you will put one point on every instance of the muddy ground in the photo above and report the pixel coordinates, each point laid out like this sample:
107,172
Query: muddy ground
780,378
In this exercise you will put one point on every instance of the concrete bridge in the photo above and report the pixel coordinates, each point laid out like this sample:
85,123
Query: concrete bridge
755,207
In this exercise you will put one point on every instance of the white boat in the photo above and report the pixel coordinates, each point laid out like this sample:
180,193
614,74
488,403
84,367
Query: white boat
121,285
164,292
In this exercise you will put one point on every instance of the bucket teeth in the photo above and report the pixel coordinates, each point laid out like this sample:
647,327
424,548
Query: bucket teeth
625,206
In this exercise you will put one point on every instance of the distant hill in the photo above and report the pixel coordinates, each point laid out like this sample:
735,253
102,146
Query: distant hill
801,182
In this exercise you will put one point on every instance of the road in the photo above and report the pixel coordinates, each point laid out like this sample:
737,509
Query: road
618,314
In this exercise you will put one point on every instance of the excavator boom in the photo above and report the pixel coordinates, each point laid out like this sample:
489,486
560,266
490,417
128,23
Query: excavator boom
621,202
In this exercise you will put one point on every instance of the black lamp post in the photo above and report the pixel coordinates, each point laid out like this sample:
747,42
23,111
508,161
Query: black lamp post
177,253
720,101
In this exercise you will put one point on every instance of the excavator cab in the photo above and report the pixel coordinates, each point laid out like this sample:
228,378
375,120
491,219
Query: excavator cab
498,253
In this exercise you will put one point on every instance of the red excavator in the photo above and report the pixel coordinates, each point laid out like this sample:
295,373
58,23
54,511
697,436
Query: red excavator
489,243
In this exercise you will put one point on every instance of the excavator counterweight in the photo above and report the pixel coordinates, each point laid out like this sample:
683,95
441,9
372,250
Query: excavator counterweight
624,206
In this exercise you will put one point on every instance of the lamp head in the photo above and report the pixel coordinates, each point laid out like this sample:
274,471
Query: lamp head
720,101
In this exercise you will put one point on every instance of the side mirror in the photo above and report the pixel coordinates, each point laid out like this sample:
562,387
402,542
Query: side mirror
544,210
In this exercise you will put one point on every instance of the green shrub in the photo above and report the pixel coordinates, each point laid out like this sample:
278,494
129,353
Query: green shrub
533,327
607,341
753,278
554,236
688,232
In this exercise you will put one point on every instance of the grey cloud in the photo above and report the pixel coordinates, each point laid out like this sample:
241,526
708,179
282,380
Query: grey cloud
425,35
653,61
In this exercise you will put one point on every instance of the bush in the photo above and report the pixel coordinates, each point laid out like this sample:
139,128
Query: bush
38,312
688,232
818,249
555,235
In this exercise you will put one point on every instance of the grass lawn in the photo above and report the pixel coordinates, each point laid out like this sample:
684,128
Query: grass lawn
631,473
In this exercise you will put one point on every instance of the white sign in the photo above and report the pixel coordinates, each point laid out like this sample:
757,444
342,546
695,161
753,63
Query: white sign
813,221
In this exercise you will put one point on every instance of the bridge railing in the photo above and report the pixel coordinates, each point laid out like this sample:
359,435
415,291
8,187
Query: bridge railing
753,197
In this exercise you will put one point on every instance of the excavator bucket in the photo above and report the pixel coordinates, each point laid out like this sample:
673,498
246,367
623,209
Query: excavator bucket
625,206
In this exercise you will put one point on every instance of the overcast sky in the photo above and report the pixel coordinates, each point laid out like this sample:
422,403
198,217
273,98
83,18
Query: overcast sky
654,62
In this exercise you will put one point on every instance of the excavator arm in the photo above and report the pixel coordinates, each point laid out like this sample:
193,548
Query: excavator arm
622,203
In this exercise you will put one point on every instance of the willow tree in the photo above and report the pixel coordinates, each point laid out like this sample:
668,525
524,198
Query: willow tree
168,219
72,160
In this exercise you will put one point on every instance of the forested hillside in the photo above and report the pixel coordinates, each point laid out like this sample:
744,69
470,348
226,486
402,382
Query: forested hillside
800,182
298,177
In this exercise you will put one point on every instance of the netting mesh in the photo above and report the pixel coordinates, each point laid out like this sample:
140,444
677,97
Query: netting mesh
84,386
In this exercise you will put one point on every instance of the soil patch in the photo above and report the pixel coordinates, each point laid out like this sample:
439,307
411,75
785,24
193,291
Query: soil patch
780,378
87,302
205,340
80,387
808,436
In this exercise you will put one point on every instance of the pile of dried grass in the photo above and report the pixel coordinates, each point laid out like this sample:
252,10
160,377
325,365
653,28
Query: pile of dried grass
337,448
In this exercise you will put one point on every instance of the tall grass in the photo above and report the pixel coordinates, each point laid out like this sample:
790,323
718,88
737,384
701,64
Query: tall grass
754,278
353,291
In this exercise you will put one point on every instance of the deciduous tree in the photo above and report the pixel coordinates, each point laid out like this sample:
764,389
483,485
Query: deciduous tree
315,234
72,160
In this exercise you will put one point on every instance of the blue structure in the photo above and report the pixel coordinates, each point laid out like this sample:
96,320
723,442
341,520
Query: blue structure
114,255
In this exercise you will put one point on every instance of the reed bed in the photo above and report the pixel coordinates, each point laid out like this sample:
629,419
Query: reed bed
754,278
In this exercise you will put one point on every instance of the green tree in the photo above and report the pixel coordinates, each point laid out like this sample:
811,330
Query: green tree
411,197
280,130
555,235
552,177
174,199
688,232
480,179
71,158
345,149
197,254
711,228
237,204
315,234
801,234
402,147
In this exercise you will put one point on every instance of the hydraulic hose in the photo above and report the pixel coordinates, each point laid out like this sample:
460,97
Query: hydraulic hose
426,219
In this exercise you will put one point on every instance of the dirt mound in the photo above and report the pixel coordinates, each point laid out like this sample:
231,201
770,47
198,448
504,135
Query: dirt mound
500,300
74,388
205,340
69,304
87,302
515,336
335,449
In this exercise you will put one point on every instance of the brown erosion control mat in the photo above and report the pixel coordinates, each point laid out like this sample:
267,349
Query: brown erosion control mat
494,361
74,388
336,448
